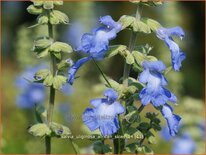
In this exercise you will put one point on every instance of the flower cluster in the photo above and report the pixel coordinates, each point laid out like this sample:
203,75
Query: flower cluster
95,44
104,115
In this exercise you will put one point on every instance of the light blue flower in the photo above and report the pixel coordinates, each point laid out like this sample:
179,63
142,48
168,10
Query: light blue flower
164,133
177,55
201,126
95,44
184,145
73,69
104,115
154,80
172,119
30,93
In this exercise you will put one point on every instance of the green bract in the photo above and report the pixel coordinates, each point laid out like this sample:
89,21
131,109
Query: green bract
39,130
147,2
145,25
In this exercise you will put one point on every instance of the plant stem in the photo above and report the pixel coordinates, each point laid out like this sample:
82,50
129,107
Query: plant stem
76,150
52,94
105,78
141,108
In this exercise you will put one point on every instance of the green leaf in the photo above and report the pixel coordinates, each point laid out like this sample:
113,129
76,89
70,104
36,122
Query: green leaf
147,2
42,43
114,50
61,47
57,55
152,140
100,148
34,10
48,80
42,74
153,24
132,148
59,81
139,26
128,56
60,130
133,133
39,130
126,21
48,5
132,114
115,85
43,19
168,70
42,53
147,150
140,57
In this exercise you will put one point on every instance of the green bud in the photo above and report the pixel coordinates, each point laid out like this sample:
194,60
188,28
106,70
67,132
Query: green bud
61,47
59,2
60,130
128,56
39,130
48,5
42,74
60,16
43,19
114,50
139,26
153,24
34,10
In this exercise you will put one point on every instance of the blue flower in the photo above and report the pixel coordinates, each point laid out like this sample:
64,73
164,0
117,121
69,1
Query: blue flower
183,145
105,114
154,91
96,44
31,93
73,69
172,119
201,126
177,55
164,133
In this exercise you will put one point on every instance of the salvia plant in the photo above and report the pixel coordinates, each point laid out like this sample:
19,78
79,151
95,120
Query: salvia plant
118,114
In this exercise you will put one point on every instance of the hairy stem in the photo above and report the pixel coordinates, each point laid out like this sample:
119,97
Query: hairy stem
52,94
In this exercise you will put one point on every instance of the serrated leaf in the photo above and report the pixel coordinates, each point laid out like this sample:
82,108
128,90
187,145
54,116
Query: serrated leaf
139,26
48,80
100,148
60,130
61,47
133,133
39,130
132,116
131,147
114,50
153,24
34,10
48,5
59,81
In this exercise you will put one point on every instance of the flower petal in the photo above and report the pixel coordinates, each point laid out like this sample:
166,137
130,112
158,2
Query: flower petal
111,95
72,71
90,119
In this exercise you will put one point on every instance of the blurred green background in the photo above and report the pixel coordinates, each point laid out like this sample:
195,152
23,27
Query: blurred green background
17,41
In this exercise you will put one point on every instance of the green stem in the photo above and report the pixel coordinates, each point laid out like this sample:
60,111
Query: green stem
52,94
141,108
75,147
103,75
